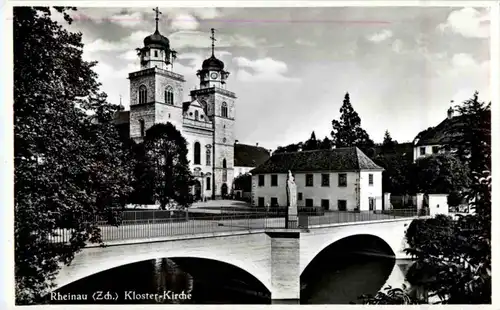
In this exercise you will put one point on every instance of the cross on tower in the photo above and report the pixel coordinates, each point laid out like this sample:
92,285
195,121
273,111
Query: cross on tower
157,11
213,40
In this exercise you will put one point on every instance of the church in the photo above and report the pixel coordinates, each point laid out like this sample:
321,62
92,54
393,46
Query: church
206,121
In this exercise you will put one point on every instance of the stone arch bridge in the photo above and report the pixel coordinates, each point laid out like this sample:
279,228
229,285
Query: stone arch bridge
275,257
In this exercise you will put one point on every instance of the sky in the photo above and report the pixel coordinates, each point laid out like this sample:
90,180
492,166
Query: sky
291,67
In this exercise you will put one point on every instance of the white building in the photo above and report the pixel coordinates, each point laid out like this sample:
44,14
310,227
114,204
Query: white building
342,179
434,139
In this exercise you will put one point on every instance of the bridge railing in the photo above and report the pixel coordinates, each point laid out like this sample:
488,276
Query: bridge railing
140,226
318,216
156,223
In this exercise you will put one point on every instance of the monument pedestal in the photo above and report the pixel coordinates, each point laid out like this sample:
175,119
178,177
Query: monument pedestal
292,220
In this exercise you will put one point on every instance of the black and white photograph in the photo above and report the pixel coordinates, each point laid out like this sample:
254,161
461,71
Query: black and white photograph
273,154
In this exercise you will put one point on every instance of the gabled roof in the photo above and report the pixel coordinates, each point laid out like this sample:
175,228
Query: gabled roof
340,159
249,155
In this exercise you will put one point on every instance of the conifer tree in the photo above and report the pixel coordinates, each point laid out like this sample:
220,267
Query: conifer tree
347,131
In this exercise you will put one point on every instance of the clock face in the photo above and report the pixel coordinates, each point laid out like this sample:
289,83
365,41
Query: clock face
214,75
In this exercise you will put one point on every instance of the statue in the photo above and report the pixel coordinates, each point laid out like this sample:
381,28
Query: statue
292,194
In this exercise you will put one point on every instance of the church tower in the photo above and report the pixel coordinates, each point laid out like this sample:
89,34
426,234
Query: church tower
219,105
156,92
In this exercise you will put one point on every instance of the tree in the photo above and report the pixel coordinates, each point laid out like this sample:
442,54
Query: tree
243,182
348,132
166,151
396,177
326,144
440,174
294,147
470,136
388,142
311,144
70,166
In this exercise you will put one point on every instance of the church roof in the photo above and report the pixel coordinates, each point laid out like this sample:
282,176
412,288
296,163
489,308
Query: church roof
340,159
249,155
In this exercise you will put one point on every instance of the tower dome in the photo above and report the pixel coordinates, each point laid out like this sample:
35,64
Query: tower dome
213,63
157,40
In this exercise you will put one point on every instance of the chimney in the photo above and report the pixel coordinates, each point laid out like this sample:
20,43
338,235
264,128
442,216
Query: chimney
450,111
257,144
236,141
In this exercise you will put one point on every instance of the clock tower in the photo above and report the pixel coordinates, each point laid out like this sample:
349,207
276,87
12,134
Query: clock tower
219,105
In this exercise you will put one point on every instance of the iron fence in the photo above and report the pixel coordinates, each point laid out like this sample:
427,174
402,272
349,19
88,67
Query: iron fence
157,223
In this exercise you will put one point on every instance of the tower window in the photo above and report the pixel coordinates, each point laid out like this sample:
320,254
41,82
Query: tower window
169,95
141,123
197,155
224,175
143,94
156,53
208,183
224,109
196,115
224,163
209,157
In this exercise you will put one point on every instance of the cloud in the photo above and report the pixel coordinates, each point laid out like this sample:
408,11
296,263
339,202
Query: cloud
127,20
380,36
127,43
304,42
184,21
468,22
262,70
199,39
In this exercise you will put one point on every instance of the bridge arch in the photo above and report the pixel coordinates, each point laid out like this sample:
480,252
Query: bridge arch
355,244
392,234
93,260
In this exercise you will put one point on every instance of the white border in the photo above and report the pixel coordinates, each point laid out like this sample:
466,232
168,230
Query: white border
6,82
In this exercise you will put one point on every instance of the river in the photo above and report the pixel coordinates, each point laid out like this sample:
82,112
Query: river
331,280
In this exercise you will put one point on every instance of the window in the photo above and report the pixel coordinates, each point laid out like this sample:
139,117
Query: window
169,95
141,123
370,179
309,202
208,183
196,115
224,176
309,180
274,202
261,180
325,204
224,109
342,179
300,196
371,203
325,180
261,202
209,157
274,180
143,94
197,154
422,150
342,205
156,53
224,163
435,149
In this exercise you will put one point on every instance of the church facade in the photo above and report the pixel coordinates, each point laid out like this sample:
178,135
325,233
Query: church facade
206,121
